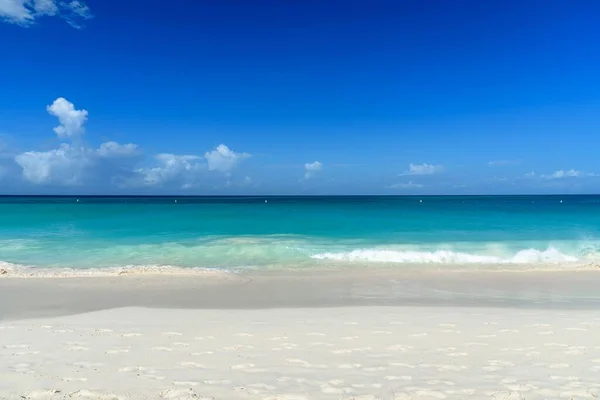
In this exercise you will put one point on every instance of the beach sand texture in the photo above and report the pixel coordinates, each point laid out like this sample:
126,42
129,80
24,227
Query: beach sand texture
319,353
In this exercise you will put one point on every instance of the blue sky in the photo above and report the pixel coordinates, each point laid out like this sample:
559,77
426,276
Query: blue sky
299,97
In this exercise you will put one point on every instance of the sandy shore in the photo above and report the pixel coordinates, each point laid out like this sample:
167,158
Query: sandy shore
359,336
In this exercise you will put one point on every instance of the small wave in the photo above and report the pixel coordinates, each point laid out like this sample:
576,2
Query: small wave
528,256
25,271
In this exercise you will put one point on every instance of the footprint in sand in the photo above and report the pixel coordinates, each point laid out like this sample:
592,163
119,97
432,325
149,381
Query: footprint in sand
398,347
313,344
399,378
429,393
404,365
452,368
86,365
131,334
117,351
92,394
186,383
191,364
349,366
263,386
374,369
436,382
64,331
153,377
179,394
41,394
559,366
243,367
69,379
25,353
217,382
136,368
462,392
76,348
16,346
341,351
237,347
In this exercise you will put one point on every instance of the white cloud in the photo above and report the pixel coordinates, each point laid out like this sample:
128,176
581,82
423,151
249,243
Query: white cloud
423,169
223,159
560,174
408,185
172,168
45,7
74,162
16,12
26,12
503,163
75,12
72,165
114,149
571,173
63,166
71,121
312,168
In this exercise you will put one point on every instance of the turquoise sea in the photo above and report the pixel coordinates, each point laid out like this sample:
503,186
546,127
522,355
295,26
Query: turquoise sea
298,232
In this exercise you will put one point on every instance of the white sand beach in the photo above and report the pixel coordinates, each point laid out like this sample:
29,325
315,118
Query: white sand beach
391,336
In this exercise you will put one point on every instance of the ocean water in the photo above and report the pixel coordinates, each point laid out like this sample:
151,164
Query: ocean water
233,233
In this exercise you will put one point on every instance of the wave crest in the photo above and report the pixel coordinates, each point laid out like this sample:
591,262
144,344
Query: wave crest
528,256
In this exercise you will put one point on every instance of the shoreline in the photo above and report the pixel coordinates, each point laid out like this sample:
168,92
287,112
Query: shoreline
11,270
48,296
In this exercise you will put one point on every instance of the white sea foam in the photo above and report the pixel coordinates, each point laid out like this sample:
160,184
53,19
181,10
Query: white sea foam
24,271
528,256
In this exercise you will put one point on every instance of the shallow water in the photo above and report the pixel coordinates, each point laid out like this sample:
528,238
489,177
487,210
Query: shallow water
299,232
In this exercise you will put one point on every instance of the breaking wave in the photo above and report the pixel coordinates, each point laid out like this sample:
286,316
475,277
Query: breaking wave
528,256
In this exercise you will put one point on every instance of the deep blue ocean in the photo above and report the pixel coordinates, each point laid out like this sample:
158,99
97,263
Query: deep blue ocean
298,232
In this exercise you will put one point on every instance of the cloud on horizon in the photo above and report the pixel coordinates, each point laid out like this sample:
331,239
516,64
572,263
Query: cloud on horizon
75,163
560,175
223,159
422,169
407,185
